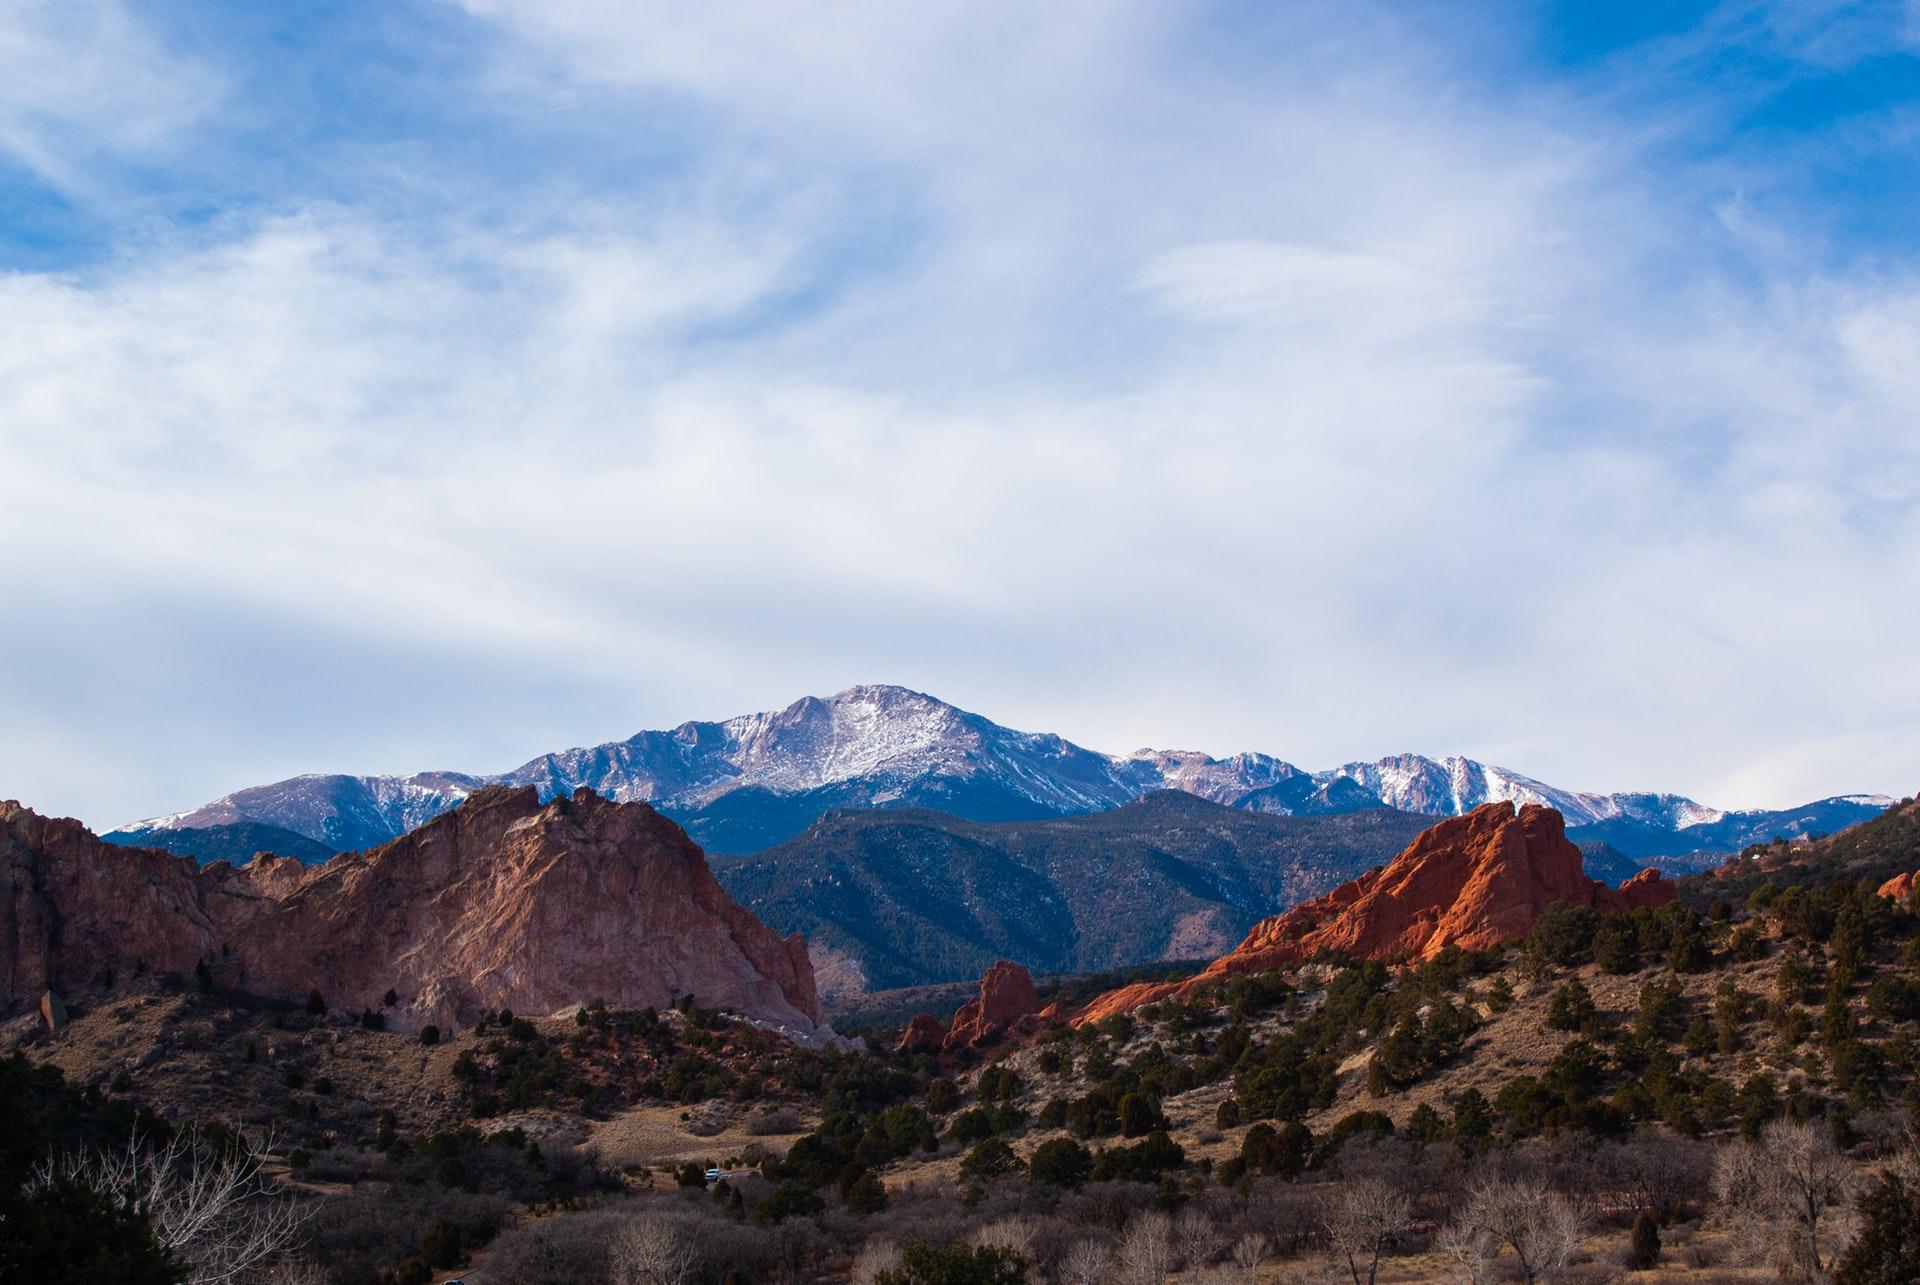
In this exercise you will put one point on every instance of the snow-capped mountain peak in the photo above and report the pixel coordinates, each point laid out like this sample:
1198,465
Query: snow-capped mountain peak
887,746
862,731
340,811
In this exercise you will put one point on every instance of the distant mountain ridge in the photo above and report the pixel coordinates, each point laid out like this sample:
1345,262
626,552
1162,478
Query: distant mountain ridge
905,897
1871,853
750,782
235,842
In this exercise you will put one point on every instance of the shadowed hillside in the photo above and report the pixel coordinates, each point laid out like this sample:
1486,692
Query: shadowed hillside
913,897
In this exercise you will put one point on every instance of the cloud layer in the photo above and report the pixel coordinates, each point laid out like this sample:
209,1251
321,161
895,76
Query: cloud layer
1326,385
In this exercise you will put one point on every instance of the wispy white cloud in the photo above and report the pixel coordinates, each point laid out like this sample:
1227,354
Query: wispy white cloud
1238,280
78,77
1022,355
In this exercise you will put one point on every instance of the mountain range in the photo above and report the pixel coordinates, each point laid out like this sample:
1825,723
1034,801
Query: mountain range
752,782
904,897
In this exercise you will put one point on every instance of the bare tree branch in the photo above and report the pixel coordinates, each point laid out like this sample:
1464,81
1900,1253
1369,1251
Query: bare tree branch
1085,1264
1145,1255
1790,1192
1362,1218
209,1205
1543,1228
651,1250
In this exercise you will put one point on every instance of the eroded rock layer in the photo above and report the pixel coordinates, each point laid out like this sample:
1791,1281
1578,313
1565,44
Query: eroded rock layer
501,902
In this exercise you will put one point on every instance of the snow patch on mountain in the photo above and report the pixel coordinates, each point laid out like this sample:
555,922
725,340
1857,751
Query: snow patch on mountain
1225,780
345,812
879,746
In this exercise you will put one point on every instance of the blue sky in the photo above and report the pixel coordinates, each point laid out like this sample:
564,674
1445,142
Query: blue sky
400,386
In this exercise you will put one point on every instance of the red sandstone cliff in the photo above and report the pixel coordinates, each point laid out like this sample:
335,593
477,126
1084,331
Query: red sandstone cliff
1900,887
1471,881
501,902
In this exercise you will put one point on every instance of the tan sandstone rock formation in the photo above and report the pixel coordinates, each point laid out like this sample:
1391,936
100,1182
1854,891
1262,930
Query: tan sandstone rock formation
1900,887
501,902
1472,881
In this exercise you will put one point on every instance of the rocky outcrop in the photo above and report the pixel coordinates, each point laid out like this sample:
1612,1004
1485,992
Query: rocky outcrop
1471,881
924,1034
502,902
1900,887
1006,998
1648,888
1006,1005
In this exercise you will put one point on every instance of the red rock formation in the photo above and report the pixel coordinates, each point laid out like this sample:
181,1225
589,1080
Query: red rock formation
1649,888
501,902
923,1034
1006,998
1470,881
1900,887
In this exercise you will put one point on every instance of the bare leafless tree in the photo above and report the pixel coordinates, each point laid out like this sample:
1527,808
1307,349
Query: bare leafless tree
1249,1253
1362,1218
1085,1264
876,1256
1553,1238
1651,1170
1543,1227
651,1249
209,1205
1014,1233
1790,1192
1193,1233
1472,1250
1145,1255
